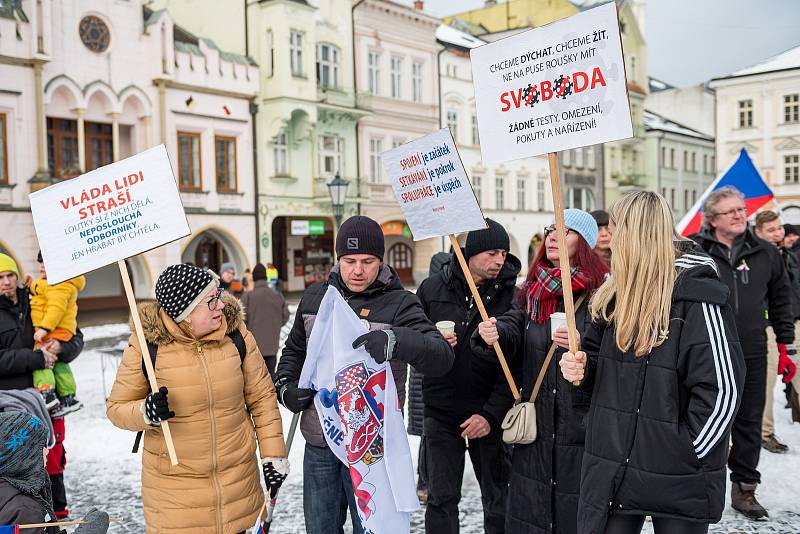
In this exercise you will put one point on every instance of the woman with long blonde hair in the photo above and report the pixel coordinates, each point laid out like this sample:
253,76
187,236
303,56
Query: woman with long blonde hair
665,368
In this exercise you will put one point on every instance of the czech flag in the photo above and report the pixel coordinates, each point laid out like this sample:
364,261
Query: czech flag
9,529
742,175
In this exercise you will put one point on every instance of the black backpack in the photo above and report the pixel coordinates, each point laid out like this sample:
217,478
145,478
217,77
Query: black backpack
152,348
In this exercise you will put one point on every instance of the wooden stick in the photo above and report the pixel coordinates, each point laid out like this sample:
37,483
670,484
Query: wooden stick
484,315
68,523
563,254
148,364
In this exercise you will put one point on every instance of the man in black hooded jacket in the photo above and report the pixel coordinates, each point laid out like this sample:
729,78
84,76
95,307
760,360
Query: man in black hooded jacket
755,274
465,404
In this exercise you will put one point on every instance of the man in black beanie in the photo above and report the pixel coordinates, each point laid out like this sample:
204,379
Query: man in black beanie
399,333
265,314
468,402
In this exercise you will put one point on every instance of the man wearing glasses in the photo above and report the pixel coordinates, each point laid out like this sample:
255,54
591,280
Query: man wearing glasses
760,290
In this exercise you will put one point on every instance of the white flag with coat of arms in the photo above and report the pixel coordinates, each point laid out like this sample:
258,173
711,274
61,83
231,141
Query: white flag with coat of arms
361,418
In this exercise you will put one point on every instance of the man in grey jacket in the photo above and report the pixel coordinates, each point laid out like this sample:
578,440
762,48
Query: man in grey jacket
266,312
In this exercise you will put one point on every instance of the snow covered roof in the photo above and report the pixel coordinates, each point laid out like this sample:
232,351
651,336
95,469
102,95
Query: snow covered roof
448,34
789,59
657,85
654,121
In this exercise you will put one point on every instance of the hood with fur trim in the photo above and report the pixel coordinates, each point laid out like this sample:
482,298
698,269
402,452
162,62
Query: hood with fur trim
157,332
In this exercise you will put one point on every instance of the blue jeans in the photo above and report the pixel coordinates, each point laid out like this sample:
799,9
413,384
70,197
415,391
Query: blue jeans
327,493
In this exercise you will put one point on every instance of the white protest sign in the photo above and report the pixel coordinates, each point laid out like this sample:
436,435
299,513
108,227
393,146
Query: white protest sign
108,214
432,187
552,88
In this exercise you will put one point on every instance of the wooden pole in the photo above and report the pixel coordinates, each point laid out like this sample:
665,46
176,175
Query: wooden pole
563,254
67,523
148,364
484,315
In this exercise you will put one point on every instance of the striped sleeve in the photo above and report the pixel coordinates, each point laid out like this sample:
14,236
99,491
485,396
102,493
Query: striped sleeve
712,370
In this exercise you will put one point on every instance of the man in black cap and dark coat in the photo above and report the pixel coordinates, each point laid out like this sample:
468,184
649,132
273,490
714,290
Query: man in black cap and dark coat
399,332
465,405
265,312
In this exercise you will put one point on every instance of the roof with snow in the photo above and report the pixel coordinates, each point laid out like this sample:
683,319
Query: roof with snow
786,60
654,121
449,35
657,85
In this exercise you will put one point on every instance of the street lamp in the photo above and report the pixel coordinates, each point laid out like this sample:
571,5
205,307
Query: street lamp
337,189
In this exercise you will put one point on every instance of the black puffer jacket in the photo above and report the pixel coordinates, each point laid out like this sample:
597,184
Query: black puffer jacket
658,425
792,265
476,383
18,508
18,360
758,282
385,304
545,475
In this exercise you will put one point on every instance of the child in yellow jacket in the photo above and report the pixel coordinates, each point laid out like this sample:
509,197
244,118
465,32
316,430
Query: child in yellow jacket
54,313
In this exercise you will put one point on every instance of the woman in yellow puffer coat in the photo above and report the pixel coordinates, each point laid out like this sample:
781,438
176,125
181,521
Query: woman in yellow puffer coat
219,406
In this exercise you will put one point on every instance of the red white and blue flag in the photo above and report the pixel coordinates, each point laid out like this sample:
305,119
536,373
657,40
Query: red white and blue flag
742,175
358,409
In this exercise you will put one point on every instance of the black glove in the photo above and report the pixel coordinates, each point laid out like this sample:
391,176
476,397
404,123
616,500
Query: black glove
156,408
275,472
379,343
294,398
95,522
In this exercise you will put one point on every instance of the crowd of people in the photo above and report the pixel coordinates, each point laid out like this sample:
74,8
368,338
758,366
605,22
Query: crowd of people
681,342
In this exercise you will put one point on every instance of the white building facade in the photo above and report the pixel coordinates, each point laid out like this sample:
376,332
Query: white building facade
83,84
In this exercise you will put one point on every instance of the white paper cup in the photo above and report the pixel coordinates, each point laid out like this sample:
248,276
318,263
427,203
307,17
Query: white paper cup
557,320
446,327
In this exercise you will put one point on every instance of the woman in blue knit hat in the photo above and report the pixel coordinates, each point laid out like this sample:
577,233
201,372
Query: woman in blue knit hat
545,475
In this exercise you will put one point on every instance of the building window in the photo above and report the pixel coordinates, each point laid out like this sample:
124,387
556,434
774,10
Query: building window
329,148
62,148
705,163
452,123
189,166
540,193
672,198
476,187
579,158
280,153
416,81
694,197
99,145
590,161
499,192
396,142
671,158
296,52
580,198
791,108
745,113
270,66
663,157
94,33
685,160
791,169
225,157
397,66
694,161
3,150
713,164
521,193
375,149
327,65
373,72
686,205
475,137
566,158
632,75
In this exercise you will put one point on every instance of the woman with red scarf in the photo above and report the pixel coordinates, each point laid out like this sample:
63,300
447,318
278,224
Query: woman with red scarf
545,475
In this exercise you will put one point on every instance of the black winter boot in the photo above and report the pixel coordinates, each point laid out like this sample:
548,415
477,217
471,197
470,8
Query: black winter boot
743,499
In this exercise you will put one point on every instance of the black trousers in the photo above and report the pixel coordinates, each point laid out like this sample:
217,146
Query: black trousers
59,492
746,432
271,361
444,453
632,524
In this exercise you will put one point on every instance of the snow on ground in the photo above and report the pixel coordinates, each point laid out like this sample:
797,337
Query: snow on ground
103,472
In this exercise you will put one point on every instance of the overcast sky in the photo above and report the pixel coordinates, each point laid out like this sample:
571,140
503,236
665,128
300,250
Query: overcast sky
691,41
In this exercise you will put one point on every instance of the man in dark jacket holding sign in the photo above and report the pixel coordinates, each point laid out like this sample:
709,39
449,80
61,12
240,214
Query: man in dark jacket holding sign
465,407
399,333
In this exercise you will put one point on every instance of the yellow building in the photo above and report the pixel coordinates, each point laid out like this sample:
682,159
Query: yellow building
514,14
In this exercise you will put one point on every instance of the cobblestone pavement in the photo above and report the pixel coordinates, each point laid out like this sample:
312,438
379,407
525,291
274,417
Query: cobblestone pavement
103,472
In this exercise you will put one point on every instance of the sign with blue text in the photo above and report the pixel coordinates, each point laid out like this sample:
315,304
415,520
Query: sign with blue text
108,214
552,88
432,187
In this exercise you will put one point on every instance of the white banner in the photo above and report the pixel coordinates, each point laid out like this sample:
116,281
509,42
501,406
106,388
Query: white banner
108,214
361,418
552,88
432,187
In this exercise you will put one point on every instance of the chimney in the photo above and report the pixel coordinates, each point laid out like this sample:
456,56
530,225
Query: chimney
418,4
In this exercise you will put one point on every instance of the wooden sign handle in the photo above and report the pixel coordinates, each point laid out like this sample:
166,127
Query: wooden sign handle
148,364
484,315
563,254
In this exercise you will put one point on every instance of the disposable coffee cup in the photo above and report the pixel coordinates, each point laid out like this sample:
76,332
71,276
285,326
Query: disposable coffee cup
447,327
557,320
